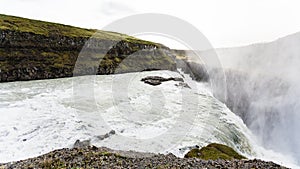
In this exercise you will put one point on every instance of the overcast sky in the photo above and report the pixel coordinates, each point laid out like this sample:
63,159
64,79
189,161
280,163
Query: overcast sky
224,22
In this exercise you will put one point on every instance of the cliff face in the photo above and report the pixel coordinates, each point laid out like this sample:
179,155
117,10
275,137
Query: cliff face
195,68
31,50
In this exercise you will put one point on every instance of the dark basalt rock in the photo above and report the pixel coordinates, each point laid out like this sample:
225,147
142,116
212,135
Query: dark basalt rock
183,149
105,136
157,80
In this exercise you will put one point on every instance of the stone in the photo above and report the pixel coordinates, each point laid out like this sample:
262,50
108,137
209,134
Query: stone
182,84
157,80
105,136
82,144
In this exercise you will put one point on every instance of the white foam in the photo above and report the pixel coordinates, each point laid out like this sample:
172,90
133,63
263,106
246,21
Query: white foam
52,114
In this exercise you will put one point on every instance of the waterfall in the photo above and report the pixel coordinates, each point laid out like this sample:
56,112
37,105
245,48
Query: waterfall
263,88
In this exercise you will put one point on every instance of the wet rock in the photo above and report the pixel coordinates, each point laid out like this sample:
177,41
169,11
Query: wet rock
182,84
82,144
105,136
157,80
111,132
183,149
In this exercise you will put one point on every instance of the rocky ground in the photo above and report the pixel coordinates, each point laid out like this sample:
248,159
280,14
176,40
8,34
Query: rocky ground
94,157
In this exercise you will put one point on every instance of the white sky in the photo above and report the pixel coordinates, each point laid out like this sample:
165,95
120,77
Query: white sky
224,22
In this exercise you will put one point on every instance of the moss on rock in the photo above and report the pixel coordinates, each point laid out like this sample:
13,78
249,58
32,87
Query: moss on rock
214,151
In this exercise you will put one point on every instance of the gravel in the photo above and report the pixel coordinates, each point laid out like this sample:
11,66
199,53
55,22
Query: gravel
94,157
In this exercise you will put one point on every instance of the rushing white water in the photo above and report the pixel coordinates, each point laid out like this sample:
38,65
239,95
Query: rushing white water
40,116
263,88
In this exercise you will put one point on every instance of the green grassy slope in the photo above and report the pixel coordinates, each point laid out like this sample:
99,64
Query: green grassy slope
31,49
51,29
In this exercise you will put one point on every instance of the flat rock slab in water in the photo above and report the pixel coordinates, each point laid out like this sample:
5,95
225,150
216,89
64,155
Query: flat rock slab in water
157,80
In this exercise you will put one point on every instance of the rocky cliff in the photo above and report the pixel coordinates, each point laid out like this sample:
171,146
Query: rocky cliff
31,49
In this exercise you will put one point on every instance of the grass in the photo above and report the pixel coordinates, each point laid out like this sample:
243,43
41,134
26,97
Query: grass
41,27
214,151
51,29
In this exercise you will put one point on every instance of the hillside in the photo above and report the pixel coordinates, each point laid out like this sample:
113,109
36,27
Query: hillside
31,49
